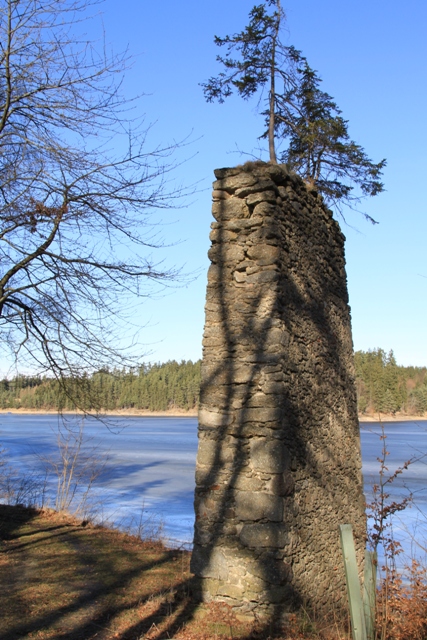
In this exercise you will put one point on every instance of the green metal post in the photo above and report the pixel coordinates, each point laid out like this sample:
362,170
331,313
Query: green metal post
353,585
369,593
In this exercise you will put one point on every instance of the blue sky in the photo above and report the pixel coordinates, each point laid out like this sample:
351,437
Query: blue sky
372,58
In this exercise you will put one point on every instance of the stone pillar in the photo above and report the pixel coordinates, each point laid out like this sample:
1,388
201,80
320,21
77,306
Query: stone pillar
278,466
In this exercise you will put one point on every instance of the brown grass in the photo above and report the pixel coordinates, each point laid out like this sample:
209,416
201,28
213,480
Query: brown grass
62,580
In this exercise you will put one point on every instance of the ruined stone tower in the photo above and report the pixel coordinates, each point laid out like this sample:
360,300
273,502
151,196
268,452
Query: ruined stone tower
278,466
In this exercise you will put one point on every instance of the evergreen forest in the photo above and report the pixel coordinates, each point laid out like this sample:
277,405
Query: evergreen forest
155,387
382,386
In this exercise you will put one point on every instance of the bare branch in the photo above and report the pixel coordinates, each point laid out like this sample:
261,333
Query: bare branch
75,215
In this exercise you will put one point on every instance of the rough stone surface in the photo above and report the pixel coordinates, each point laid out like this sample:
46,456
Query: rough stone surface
278,466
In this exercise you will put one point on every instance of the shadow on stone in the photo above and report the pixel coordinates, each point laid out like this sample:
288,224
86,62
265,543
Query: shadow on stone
278,465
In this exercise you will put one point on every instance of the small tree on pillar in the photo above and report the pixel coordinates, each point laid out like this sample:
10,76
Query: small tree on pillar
262,60
296,110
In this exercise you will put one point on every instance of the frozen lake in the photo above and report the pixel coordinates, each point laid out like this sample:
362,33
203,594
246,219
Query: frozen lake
151,463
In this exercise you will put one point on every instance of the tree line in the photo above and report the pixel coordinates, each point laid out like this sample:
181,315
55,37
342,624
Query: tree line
382,386
155,387
386,387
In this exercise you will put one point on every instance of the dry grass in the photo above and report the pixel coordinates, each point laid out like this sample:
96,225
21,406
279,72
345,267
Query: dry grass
62,580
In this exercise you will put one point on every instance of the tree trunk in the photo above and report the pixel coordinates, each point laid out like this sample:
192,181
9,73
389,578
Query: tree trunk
271,147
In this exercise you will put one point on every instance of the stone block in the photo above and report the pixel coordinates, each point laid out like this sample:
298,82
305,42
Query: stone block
243,373
270,456
223,172
246,617
257,187
229,209
233,591
209,562
281,484
281,174
230,253
215,340
259,196
266,210
216,452
270,569
233,182
252,506
263,277
273,387
214,419
218,194
259,400
203,536
222,235
278,595
261,535
253,583
205,509
240,276
276,337
264,254
259,414
216,372
243,482
215,273
241,224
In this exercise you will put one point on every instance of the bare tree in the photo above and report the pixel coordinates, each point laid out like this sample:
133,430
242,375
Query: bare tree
74,213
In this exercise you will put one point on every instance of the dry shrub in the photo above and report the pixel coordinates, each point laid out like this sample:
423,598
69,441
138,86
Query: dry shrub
401,610
402,604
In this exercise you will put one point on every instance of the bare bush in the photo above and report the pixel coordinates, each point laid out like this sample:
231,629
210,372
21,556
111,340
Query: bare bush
401,607
75,467
28,490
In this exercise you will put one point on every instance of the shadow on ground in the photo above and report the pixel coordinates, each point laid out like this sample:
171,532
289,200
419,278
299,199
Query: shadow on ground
62,580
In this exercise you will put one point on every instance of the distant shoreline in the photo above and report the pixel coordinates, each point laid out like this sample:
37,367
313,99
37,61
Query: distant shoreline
387,417
126,413
192,413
